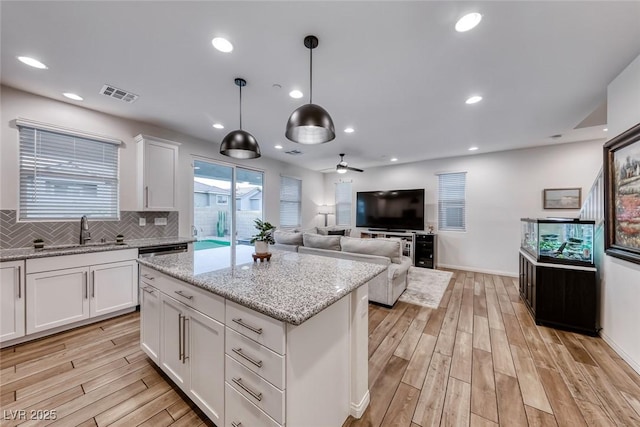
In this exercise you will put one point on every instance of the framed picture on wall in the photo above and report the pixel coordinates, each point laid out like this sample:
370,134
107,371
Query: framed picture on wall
622,195
562,198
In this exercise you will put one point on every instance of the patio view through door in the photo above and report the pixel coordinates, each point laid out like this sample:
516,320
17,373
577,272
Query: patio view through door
226,201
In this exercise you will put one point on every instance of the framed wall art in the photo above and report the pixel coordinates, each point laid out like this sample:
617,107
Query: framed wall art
622,195
561,198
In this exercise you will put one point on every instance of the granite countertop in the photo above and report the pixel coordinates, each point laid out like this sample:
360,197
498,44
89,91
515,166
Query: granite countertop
53,250
292,287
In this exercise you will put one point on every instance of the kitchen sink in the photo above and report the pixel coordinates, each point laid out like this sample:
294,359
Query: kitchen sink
77,245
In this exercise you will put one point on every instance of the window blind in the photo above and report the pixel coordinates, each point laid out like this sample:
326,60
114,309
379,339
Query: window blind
451,201
343,203
66,176
290,201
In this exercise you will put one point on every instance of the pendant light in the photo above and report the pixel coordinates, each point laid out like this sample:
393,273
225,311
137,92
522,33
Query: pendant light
310,124
240,144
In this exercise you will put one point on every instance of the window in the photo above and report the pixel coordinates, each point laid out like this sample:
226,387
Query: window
451,201
222,199
290,201
343,203
66,175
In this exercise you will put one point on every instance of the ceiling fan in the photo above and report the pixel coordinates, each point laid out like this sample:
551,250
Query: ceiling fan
343,166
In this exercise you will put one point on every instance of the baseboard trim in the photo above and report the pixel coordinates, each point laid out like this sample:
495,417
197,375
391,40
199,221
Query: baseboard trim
357,409
634,365
479,270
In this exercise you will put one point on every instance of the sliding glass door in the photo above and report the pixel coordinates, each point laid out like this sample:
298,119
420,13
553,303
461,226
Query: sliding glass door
227,200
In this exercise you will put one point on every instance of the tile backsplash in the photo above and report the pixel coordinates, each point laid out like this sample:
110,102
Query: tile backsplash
21,234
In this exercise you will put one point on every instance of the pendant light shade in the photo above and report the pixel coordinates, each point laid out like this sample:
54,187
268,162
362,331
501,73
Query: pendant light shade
240,144
310,124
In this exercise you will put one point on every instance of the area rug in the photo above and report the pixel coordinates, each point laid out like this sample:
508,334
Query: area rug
426,286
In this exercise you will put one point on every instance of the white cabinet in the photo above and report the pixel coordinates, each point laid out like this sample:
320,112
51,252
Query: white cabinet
113,287
191,344
150,321
67,289
12,300
157,178
57,298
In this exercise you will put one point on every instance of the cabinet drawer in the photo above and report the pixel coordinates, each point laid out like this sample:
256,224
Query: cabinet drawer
205,302
257,326
240,412
257,390
255,357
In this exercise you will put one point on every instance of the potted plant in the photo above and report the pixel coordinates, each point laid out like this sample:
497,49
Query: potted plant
264,236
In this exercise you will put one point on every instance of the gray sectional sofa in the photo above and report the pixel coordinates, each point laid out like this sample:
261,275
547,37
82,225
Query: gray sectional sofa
384,289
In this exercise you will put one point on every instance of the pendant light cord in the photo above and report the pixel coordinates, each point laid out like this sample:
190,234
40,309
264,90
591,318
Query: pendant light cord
240,86
311,76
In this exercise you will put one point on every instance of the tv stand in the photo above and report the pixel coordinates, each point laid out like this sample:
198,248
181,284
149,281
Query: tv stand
420,246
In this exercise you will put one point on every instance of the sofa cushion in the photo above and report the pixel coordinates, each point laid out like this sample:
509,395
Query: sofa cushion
313,230
287,237
391,248
334,230
318,241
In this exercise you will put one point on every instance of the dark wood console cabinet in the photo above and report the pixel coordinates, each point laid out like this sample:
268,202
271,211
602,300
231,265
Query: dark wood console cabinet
426,249
560,296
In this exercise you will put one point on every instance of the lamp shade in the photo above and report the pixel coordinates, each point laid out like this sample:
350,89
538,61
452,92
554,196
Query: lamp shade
325,209
310,124
240,144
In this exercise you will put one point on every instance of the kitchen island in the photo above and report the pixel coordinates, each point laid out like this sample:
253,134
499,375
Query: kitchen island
282,342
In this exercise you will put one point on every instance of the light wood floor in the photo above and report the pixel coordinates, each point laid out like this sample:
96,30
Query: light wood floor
476,360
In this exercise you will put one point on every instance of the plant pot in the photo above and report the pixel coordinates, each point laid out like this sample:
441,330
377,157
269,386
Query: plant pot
261,247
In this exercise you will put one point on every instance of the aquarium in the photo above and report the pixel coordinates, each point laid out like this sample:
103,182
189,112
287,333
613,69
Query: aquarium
561,241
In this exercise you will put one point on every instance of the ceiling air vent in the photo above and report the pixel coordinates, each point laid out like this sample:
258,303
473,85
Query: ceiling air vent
120,94
293,152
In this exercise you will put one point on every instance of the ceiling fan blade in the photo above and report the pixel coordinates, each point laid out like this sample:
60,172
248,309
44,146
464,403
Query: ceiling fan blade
354,169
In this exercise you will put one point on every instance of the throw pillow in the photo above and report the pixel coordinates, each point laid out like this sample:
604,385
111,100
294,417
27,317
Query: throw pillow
318,241
325,231
390,248
335,232
287,237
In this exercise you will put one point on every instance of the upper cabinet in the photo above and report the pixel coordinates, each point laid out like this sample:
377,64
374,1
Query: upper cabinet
157,174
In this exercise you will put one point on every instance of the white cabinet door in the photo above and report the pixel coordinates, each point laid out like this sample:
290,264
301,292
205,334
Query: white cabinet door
159,163
12,300
56,298
172,340
150,321
205,357
113,287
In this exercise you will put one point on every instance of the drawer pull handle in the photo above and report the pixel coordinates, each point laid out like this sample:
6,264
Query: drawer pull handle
239,352
183,295
251,328
257,396
146,276
235,424
148,289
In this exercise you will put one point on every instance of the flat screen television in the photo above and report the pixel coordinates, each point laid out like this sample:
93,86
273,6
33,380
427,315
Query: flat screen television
390,210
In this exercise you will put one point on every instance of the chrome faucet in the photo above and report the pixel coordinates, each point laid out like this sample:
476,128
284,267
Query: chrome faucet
84,230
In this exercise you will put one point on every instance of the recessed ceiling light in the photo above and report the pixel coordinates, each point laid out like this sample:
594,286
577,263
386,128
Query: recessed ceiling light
394,159
605,129
223,45
296,94
349,130
473,148
73,96
278,147
468,22
218,126
32,62
474,99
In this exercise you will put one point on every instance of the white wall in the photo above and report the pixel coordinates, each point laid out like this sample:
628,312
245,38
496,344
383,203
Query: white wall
501,188
620,280
15,103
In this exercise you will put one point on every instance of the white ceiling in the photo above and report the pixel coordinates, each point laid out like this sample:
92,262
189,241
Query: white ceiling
396,71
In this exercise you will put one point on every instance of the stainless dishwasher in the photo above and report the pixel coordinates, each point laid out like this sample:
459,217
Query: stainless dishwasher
162,250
